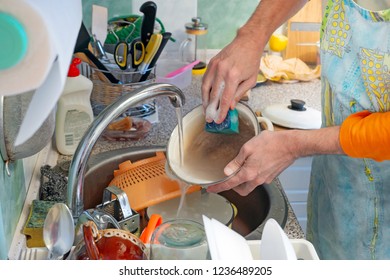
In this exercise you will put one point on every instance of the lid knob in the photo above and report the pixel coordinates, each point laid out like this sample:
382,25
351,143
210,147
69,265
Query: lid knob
297,105
196,21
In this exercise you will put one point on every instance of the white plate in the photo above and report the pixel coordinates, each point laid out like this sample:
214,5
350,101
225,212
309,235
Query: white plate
224,243
275,244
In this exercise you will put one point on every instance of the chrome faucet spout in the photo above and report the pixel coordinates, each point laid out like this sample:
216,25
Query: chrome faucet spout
177,103
78,165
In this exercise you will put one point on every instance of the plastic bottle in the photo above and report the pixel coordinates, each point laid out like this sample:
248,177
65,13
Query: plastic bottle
74,111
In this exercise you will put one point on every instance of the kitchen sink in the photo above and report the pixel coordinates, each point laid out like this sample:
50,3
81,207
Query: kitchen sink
266,201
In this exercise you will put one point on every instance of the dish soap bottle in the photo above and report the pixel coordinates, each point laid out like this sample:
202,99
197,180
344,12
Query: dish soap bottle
74,111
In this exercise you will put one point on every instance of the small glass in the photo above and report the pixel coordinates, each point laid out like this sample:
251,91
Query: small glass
179,239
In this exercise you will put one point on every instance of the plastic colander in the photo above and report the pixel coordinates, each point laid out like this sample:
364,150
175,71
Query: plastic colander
146,183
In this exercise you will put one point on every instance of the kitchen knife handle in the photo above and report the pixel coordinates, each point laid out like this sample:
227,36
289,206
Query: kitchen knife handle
149,9
165,37
151,50
100,66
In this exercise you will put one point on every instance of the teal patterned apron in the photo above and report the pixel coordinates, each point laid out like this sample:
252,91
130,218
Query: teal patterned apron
349,199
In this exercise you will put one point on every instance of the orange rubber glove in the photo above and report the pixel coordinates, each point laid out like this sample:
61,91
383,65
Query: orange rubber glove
366,135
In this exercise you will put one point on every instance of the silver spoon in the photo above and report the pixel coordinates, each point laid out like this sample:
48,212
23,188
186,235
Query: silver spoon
58,231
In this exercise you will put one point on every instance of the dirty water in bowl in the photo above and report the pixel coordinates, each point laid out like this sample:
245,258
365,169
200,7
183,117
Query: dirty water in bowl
206,154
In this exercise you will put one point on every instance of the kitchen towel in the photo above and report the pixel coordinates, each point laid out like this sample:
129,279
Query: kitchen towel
276,69
50,44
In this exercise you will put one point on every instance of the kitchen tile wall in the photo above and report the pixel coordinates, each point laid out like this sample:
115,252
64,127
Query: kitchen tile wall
223,16
174,14
12,196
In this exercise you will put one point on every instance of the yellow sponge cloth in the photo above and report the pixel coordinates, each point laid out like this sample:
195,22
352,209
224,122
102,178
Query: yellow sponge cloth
33,229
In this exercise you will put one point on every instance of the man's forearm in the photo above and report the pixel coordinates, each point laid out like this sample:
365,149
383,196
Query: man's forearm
268,16
315,142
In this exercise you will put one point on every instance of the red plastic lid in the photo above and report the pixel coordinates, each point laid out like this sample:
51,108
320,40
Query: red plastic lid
73,70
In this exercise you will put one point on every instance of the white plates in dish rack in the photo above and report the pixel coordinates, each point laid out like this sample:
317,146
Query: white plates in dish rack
224,243
275,244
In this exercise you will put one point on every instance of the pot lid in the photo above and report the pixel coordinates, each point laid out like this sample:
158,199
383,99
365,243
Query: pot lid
293,115
196,26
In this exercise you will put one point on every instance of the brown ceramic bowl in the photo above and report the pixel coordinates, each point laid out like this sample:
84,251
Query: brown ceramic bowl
108,244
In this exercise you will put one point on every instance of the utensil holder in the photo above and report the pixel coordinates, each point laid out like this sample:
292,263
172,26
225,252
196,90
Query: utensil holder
104,93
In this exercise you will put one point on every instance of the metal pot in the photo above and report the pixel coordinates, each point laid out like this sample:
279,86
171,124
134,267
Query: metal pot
206,154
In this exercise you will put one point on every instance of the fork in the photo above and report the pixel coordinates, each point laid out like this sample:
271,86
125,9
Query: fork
29,254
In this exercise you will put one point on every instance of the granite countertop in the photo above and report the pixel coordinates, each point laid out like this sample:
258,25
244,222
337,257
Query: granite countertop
261,96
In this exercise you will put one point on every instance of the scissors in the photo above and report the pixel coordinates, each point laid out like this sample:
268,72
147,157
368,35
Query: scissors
151,50
123,50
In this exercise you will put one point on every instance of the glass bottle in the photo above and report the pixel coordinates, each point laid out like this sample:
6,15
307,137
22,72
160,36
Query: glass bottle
195,46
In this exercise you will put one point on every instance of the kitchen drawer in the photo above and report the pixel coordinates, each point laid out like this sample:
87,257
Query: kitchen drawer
296,176
299,208
303,162
303,223
295,179
296,195
300,211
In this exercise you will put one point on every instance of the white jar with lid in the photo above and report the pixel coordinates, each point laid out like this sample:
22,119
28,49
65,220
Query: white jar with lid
74,111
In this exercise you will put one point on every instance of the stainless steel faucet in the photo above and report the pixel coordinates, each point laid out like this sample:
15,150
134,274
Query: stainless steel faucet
78,165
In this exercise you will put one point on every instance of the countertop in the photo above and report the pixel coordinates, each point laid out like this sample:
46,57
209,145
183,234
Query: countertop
259,97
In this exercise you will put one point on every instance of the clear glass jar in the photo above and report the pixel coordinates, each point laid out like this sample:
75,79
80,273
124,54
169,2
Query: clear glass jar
195,46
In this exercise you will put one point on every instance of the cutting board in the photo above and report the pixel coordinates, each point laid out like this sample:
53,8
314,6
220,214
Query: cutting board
304,28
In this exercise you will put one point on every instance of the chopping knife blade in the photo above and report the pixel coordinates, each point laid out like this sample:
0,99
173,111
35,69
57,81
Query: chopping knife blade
149,9
150,52
165,37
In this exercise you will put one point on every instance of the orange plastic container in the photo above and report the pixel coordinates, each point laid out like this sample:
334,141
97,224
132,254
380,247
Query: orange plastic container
146,183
